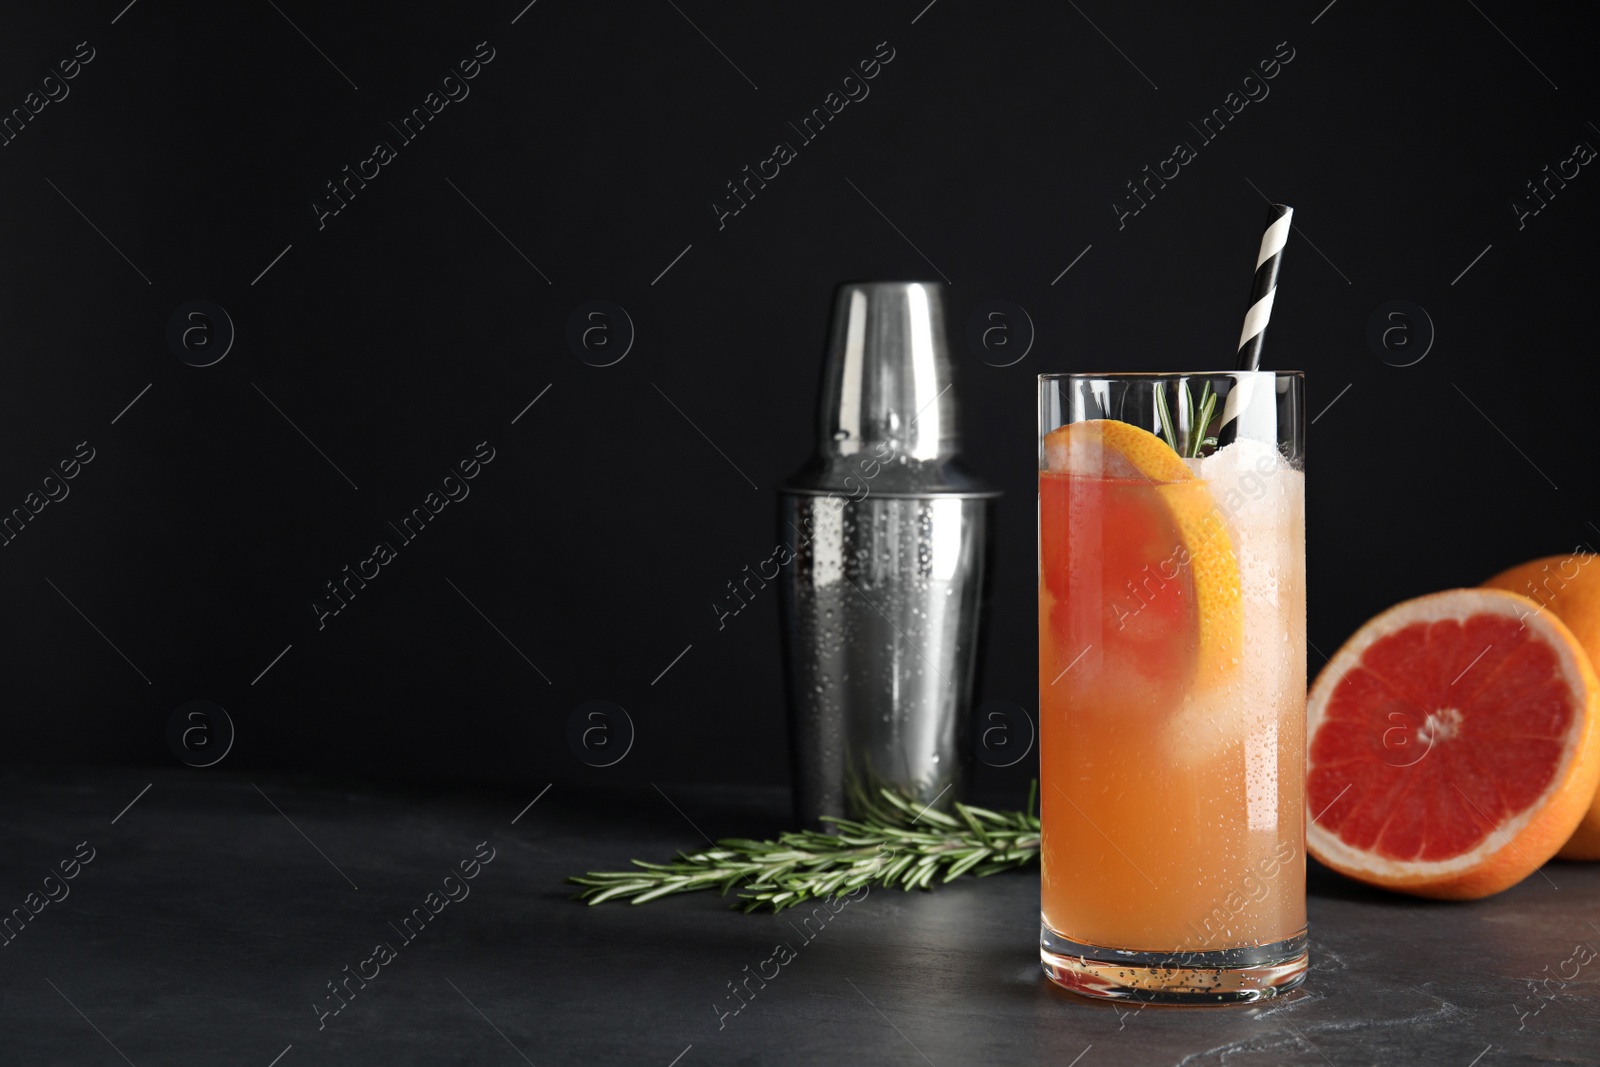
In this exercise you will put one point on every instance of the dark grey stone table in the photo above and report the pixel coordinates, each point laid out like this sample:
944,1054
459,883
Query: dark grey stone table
214,919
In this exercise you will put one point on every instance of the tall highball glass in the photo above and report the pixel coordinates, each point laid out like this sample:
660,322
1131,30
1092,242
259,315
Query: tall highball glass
1172,680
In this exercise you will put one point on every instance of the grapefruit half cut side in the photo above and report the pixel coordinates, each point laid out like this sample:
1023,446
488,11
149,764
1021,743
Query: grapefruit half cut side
1452,745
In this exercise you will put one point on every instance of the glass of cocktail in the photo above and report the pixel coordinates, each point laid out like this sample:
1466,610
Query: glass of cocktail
1172,681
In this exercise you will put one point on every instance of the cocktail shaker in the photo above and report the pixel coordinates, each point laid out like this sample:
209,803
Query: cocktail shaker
882,602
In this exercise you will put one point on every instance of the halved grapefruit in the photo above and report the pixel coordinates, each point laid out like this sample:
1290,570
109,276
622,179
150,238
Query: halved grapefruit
1569,586
1453,744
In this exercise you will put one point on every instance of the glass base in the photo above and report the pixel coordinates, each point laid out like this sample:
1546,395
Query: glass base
1223,976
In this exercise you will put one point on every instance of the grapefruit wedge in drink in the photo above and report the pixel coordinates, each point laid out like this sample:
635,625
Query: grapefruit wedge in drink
1452,745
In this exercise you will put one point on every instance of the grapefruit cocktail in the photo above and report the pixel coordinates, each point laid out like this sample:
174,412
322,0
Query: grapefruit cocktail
1172,681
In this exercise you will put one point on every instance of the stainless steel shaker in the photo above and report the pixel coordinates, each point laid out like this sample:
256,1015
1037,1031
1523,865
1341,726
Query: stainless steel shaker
890,535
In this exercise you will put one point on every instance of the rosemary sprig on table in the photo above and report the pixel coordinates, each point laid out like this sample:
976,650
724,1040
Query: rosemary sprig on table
893,843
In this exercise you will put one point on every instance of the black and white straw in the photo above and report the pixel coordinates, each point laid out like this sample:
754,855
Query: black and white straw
1268,261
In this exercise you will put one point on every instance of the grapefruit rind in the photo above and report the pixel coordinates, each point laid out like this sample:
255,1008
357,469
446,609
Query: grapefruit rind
1079,448
1518,845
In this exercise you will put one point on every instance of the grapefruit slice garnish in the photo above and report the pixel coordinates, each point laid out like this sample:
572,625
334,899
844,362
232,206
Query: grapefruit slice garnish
1452,745
1167,575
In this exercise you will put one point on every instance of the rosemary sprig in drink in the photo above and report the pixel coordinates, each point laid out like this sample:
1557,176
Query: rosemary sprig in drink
893,843
1191,438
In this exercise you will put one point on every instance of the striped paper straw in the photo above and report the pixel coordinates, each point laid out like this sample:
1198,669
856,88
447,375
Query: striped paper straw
1268,261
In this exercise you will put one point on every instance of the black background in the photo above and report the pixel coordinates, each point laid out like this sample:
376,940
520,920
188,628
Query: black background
410,327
